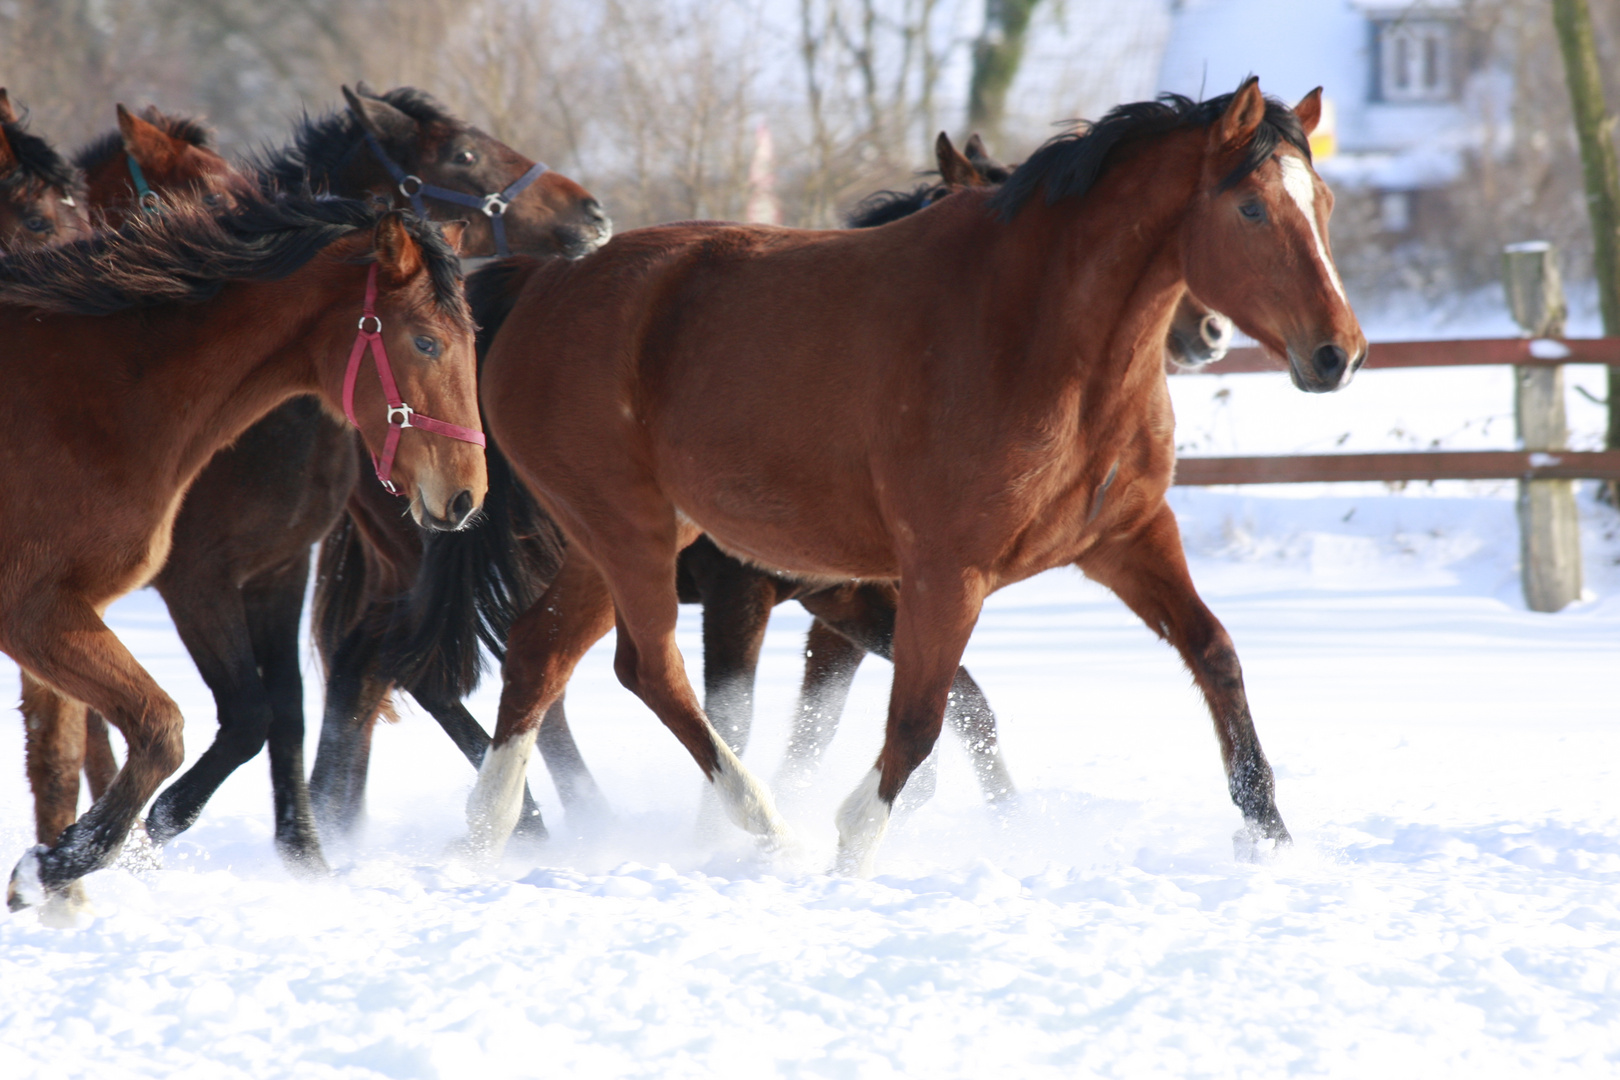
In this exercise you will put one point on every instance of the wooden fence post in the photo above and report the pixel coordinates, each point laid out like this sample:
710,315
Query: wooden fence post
1549,527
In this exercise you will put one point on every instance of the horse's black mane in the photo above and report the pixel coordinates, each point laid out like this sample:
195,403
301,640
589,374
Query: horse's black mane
185,256
882,207
37,162
104,148
322,145
1069,164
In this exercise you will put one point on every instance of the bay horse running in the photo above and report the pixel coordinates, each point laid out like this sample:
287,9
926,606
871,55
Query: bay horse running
167,340
177,163
41,196
472,584
239,566
990,402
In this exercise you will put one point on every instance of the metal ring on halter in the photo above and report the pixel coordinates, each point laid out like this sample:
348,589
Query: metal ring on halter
150,200
495,204
373,318
407,192
403,411
388,486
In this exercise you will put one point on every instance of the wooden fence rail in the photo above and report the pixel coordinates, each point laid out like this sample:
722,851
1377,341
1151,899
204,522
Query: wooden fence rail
1419,464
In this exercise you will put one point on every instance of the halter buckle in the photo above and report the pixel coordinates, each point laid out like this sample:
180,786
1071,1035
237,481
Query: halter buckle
388,486
408,192
403,412
495,204
374,318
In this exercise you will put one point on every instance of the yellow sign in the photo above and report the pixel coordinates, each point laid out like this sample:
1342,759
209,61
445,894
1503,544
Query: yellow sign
1325,139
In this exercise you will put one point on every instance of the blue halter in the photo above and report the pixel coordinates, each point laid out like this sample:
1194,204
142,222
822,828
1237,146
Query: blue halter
493,205
148,200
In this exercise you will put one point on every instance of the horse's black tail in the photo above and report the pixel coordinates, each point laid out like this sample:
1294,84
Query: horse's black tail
473,583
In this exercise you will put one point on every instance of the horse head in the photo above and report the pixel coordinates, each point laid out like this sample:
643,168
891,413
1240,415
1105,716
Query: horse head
544,214
38,203
1255,241
412,413
155,158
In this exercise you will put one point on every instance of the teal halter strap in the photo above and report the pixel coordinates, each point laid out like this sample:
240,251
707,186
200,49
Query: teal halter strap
148,200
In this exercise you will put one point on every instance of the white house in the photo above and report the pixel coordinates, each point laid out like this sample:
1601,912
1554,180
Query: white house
1405,102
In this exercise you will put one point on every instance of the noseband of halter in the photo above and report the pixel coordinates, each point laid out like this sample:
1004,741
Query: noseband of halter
493,205
148,200
400,415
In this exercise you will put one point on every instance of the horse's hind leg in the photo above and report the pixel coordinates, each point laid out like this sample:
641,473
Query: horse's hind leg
934,618
54,738
1148,571
865,614
100,766
275,604
542,647
71,649
473,742
830,663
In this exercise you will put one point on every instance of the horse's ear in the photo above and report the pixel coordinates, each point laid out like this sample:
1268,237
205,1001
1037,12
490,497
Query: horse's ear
1309,110
144,141
398,257
380,118
954,169
8,156
1242,117
454,232
8,115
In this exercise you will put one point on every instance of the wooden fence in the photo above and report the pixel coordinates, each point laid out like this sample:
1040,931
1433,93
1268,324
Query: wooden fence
1549,526
1549,464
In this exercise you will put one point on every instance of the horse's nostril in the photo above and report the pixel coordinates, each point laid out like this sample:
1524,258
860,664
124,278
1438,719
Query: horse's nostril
1216,330
1331,361
461,506
594,211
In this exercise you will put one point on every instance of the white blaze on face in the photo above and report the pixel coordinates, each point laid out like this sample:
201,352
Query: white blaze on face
1301,187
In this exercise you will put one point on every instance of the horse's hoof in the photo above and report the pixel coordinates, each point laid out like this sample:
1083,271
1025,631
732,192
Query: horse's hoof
303,860
25,889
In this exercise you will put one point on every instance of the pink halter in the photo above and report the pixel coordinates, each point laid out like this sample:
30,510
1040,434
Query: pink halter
400,415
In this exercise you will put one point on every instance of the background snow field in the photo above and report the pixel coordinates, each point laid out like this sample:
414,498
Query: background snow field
1446,760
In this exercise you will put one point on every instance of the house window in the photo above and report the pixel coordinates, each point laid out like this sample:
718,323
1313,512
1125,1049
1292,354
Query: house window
1414,60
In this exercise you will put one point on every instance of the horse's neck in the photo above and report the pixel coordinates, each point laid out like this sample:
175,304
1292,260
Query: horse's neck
1102,271
259,357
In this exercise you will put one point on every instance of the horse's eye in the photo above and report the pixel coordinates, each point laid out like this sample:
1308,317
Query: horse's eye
1252,211
464,157
426,345
38,225
211,200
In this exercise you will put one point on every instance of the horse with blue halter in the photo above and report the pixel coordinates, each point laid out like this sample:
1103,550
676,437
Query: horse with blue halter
990,403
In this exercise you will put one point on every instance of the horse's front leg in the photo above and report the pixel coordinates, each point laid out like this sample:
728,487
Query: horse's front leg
1147,569
66,646
938,607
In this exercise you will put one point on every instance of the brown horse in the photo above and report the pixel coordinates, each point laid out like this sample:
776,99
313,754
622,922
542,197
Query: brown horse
236,577
152,160
40,193
167,340
990,402
177,163
472,584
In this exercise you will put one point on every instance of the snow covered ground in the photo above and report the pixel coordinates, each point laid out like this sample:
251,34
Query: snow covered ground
1447,761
